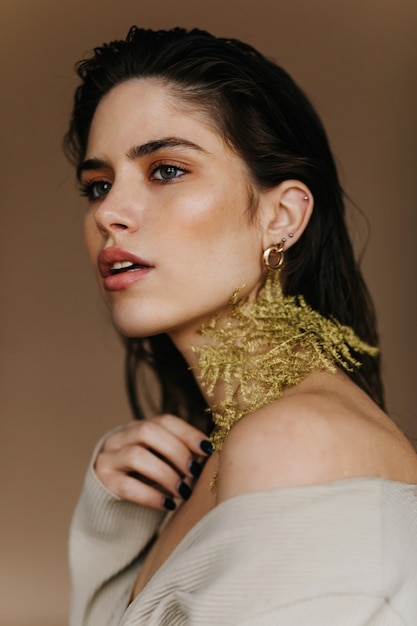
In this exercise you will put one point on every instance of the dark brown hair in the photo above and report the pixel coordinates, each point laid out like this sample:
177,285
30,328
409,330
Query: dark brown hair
271,125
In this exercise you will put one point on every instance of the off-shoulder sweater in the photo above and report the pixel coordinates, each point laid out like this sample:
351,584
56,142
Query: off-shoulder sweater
338,554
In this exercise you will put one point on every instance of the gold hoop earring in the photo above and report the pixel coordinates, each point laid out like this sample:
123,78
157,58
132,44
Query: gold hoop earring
274,256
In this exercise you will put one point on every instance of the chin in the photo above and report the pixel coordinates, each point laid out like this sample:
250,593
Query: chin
132,328
133,331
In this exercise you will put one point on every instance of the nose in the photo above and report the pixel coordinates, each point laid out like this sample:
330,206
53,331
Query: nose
116,212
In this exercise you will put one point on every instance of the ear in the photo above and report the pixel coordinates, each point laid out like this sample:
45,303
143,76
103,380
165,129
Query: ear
284,212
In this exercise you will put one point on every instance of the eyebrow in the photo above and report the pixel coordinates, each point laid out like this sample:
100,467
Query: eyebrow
158,144
137,152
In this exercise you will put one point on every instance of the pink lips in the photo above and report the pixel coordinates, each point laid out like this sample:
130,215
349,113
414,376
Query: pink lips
113,281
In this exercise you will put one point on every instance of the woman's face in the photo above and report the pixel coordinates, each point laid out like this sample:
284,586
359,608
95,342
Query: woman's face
167,228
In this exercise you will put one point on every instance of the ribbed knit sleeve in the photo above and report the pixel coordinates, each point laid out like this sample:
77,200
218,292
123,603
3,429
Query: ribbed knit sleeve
107,540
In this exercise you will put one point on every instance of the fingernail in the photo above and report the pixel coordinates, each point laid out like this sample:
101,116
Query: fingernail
184,490
206,446
195,469
169,504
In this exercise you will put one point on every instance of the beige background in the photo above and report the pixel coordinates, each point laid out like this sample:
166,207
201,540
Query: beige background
61,364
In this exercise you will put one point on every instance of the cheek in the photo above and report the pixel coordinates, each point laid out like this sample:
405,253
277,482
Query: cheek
213,213
92,238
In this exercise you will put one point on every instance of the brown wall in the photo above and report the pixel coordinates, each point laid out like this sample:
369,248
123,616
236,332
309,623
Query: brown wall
61,378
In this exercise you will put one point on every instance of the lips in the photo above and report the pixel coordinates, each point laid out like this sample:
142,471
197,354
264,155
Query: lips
120,268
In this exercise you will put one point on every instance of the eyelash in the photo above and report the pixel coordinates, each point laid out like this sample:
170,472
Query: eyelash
88,188
179,169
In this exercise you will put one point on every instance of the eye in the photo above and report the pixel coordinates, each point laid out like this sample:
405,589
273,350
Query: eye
167,172
95,189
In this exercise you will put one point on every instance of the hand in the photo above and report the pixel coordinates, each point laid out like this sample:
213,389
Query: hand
147,460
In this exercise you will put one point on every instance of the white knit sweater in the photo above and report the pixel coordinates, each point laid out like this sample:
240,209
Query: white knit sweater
339,554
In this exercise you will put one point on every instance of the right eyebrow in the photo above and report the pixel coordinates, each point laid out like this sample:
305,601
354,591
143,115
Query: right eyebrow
91,164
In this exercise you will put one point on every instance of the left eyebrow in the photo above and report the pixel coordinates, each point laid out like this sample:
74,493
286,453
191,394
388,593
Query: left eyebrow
158,144
140,151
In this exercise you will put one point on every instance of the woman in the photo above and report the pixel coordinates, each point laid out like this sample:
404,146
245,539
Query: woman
216,224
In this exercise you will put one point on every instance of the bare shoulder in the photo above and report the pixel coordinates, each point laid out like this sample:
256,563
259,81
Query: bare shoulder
326,430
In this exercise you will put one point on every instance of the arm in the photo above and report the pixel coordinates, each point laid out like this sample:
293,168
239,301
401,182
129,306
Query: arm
133,471
107,537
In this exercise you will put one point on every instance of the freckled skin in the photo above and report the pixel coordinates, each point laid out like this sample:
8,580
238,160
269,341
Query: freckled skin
194,229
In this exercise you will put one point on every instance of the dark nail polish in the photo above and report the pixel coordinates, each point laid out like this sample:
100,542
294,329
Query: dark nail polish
184,490
206,446
169,504
195,469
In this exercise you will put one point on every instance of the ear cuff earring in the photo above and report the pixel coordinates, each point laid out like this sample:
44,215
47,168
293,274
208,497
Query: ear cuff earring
274,255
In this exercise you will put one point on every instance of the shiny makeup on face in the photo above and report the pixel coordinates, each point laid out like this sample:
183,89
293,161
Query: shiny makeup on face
167,226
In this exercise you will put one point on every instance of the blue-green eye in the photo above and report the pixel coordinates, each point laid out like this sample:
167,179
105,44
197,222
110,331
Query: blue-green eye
166,172
95,189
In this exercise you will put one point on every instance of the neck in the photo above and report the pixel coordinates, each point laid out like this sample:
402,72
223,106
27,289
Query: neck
189,343
249,357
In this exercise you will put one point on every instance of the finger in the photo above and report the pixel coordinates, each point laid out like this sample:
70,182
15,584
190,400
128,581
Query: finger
190,435
138,492
195,439
167,436
144,464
